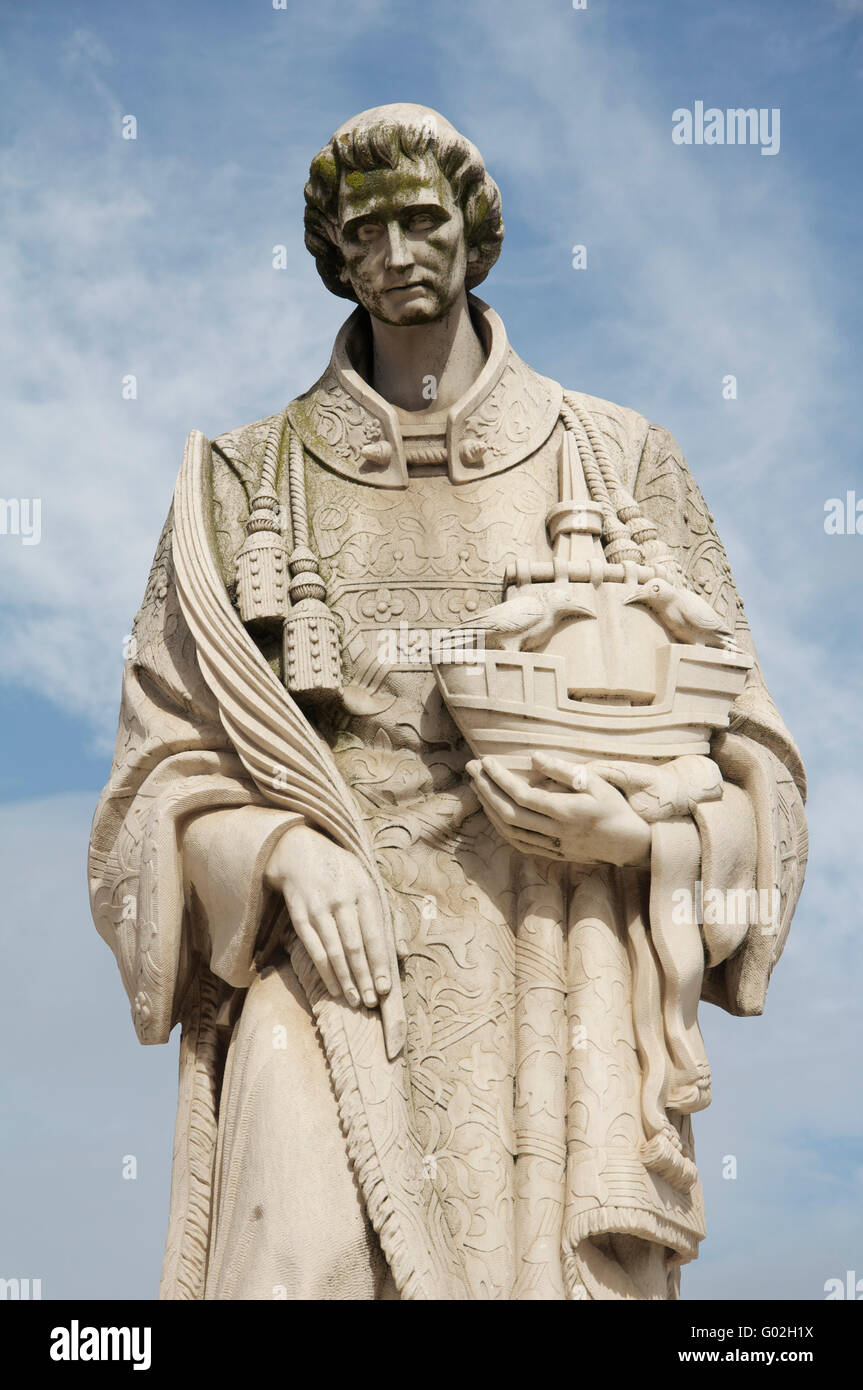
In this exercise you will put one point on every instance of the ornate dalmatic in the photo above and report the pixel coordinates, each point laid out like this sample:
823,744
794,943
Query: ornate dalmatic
524,1135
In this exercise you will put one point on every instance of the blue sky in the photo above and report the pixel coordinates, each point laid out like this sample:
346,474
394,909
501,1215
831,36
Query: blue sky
153,257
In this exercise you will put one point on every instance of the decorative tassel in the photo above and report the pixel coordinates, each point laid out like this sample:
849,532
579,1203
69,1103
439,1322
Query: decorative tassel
313,666
262,563
618,544
629,534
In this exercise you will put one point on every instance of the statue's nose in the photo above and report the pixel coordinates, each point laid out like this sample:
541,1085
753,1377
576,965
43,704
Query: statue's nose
398,250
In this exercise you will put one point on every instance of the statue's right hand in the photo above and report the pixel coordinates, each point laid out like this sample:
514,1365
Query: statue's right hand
335,912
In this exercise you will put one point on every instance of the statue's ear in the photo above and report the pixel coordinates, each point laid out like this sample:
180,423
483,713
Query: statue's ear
473,253
343,274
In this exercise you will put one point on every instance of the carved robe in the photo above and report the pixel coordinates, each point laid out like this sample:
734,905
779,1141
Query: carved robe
503,1154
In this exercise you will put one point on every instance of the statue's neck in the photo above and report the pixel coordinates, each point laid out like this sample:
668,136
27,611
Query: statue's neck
427,366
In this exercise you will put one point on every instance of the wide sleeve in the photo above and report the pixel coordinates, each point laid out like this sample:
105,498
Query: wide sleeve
754,840
181,834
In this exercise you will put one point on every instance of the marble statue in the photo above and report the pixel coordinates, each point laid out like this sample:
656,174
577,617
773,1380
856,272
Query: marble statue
446,786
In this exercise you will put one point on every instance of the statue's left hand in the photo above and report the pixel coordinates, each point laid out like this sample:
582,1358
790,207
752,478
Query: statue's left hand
588,824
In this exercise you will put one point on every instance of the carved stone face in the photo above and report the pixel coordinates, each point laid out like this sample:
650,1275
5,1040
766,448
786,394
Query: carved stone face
401,233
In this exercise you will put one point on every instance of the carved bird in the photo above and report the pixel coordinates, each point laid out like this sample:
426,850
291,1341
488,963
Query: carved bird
685,616
523,623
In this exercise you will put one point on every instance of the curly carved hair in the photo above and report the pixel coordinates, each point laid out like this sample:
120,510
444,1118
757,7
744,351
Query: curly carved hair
377,139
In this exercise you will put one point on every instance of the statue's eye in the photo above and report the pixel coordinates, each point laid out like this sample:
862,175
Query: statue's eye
368,231
421,222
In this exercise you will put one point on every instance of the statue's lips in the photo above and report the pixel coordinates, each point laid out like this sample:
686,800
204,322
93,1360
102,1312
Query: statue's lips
404,289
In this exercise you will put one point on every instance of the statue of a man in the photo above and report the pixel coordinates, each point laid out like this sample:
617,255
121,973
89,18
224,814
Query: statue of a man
438,1003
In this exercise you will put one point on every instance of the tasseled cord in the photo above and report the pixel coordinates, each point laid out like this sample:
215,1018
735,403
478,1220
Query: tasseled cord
262,563
267,598
313,666
627,534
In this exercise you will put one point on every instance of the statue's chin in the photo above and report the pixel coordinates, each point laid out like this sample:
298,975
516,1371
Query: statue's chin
407,315
410,318
408,310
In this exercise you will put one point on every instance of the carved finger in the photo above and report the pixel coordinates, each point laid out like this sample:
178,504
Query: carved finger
351,937
510,812
505,831
626,778
556,806
325,925
314,948
571,775
371,927
540,846
553,809
527,842
580,778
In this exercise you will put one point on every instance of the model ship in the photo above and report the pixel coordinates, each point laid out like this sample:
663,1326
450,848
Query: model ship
588,659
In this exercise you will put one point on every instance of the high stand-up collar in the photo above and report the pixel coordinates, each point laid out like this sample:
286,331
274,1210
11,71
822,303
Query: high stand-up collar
503,418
